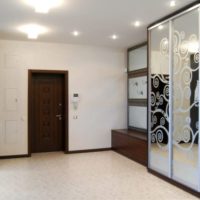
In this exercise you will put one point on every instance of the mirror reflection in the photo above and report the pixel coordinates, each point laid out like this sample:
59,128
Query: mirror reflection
159,64
186,99
174,66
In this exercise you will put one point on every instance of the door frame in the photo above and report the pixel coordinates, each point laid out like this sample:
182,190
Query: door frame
30,103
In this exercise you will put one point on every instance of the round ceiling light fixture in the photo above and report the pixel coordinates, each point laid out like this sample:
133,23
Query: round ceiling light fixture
43,6
114,37
75,33
33,30
172,3
137,23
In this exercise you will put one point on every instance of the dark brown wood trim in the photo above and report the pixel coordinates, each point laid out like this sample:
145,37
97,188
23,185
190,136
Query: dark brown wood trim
137,129
174,13
15,156
179,185
137,73
30,73
131,133
29,111
133,159
127,84
137,102
88,150
41,71
137,46
66,111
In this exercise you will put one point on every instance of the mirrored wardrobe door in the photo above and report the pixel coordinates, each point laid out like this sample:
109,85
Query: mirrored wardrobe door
159,99
186,99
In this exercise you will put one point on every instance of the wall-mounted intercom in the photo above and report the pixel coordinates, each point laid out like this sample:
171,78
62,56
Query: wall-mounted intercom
75,100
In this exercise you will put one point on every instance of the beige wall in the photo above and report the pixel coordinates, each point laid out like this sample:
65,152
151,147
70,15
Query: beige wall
96,73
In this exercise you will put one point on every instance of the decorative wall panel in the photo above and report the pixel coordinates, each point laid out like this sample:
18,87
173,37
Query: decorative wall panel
138,88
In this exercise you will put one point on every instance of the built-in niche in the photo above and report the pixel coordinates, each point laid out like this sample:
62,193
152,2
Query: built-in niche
137,88
132,141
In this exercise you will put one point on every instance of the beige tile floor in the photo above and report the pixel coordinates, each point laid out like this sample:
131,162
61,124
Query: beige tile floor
89,176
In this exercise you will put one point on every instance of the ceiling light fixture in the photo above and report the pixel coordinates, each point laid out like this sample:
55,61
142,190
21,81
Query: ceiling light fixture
114,37
172,3
33,30
137,23
43,6
160,27
75,33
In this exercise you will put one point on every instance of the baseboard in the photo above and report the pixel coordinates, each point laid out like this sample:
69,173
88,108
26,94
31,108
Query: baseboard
88,150
15,156
173,182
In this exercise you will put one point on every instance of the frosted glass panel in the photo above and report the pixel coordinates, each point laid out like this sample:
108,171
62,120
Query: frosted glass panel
138,117
186,99
159,100
138,88
138,58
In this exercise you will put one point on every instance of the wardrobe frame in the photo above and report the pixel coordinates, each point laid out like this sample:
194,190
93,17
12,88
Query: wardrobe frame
163,20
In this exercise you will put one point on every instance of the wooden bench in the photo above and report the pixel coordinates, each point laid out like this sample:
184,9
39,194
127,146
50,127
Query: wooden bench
132,144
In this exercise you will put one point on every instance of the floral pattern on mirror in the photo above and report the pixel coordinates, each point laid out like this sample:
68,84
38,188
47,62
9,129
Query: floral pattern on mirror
160,102
160,110
186,87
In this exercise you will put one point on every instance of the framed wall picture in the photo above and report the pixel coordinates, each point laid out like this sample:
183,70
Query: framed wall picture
137,87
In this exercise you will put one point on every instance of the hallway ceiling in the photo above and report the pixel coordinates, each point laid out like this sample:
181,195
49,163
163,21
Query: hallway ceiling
96,20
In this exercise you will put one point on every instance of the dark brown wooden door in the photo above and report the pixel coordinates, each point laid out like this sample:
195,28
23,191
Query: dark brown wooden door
48,112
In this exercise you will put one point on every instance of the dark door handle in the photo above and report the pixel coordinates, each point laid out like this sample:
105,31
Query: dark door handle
59,116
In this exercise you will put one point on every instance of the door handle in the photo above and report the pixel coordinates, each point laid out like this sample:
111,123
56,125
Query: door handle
59,116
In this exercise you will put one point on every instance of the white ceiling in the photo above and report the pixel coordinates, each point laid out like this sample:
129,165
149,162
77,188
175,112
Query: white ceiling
95,19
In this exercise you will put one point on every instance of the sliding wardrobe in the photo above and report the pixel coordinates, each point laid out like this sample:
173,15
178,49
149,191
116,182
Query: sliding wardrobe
174,93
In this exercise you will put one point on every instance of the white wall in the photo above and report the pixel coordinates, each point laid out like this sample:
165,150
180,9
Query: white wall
96,73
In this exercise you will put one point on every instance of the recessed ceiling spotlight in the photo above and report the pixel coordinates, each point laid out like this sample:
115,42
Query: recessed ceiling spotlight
33,30
76,33
160,27
43,6
172,3
137,23
114,37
